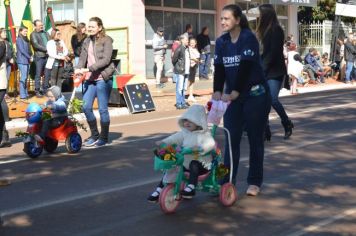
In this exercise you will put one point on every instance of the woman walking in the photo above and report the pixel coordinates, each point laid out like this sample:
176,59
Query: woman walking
271,37
24,58
238,69
95,61
194,62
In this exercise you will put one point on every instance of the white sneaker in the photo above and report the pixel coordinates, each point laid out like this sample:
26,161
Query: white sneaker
253,190
192,99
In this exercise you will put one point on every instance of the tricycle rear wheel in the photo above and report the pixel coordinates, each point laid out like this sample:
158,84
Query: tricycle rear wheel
50,145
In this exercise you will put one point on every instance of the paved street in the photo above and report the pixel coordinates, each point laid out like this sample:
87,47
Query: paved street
309,189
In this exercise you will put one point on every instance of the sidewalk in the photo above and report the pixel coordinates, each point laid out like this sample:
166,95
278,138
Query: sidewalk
201,88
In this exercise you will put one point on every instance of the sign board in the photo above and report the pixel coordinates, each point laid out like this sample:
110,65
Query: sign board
345,10
138,98
121,43
307,3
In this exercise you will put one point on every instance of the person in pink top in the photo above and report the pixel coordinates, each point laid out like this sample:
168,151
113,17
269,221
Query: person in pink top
95,61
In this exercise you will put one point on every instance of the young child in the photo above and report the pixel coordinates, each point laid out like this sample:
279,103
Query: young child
56,103
194,63
194,134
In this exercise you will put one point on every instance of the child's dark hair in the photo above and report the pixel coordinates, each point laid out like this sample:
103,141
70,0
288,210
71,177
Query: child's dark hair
237,13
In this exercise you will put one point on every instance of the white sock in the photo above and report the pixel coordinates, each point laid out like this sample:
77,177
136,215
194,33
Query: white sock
189,188
156,192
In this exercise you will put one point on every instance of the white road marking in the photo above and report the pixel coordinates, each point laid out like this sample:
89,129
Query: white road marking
141,183
318,225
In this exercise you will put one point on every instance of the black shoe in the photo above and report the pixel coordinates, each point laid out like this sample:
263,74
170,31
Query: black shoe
268,134
153,198
181,106
288,128
188,194
39,94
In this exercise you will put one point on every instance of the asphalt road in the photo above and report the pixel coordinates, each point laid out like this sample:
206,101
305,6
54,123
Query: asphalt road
309,188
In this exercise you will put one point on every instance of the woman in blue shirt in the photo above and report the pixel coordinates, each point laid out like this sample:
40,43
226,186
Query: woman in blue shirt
239,78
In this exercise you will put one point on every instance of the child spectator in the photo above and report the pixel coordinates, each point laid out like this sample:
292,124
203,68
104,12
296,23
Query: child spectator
57,105
194,134
194,62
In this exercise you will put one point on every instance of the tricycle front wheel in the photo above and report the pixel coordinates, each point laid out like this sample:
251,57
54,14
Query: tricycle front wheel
228,194
167,199
32,150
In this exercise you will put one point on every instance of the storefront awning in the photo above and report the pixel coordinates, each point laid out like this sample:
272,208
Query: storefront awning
308,3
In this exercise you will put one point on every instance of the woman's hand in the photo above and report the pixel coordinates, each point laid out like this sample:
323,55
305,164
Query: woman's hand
230,97
77,71
216,96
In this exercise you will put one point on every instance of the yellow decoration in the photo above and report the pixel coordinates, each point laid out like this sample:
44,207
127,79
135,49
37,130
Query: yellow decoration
167,157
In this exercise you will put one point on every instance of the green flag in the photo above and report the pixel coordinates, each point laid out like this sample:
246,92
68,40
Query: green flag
9,25
48,21
27,18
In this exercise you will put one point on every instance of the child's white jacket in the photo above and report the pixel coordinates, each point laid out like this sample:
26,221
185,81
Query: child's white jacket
197,139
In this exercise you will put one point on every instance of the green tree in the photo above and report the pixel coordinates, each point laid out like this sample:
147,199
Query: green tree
325,10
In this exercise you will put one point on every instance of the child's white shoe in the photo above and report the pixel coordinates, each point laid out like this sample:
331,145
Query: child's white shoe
155,195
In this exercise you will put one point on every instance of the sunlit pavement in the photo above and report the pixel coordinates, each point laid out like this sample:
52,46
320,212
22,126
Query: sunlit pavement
309,186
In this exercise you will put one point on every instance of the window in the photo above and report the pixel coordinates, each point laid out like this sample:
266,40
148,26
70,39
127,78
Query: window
191,4
191,18
208,4
172,24
153,2
65,10
171,3
153,20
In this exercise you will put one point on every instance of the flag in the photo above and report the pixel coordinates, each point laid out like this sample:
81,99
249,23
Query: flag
27,18
9,25
49,22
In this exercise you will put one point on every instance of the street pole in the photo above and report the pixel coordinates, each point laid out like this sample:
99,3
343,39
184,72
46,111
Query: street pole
336,29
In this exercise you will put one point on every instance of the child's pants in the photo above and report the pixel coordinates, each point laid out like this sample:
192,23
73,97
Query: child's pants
50,124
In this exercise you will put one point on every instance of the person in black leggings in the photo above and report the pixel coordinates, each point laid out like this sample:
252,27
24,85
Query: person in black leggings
271,37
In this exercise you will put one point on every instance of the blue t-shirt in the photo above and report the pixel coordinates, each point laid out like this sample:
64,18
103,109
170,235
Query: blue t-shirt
231,54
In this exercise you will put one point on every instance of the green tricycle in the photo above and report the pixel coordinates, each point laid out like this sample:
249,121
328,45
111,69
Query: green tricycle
170,197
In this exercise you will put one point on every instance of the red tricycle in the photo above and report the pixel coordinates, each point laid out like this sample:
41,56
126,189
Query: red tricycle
67,132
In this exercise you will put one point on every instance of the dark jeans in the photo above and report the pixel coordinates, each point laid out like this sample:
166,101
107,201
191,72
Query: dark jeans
2,120
57,76
205,65
40,68
275,86
251,113
50,124
100,89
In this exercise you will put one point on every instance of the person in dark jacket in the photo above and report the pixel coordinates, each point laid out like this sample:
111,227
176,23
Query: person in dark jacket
95,61
9,53
181,63
77,41
203,44
39,39
271,37
239,78
24,58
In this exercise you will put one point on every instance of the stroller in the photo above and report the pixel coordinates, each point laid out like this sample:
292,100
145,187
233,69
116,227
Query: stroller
170,197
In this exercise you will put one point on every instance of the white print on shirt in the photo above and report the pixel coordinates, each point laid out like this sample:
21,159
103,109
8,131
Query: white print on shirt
232,61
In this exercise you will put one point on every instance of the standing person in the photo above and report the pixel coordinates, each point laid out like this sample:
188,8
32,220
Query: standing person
194,62
189,30
181,63
203,44
3,88
175,45
39,39
95,61
77,41
57,56
350,55
271,37
9,53
24,58
238,69
159,46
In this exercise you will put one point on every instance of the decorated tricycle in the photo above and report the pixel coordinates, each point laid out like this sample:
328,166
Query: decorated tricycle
66,132
171,158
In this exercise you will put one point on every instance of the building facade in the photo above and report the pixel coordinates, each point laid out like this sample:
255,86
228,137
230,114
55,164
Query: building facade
133,23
